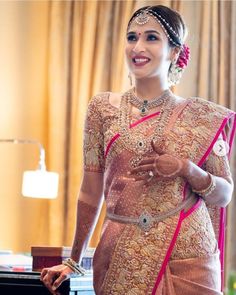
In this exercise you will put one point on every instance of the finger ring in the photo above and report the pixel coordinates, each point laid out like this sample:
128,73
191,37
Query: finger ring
151,174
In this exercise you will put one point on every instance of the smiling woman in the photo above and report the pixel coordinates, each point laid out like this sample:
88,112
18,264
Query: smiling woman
156,158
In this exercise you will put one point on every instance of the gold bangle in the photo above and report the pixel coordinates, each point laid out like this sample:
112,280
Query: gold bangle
208,190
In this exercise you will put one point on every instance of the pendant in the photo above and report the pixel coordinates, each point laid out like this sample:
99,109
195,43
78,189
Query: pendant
144,108
143,111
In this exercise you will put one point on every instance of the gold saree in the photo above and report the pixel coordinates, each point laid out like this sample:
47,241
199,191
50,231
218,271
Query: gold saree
178,255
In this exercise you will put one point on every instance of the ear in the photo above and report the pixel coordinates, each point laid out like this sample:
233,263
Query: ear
174,54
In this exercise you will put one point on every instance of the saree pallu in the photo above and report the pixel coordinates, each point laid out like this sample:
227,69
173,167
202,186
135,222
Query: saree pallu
191,276
129,260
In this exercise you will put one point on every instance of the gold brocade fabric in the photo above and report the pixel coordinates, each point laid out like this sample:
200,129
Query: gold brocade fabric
128,259
191,276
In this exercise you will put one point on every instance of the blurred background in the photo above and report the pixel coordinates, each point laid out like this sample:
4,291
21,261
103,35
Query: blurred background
54,56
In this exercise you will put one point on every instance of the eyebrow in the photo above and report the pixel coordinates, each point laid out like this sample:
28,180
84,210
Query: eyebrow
146,32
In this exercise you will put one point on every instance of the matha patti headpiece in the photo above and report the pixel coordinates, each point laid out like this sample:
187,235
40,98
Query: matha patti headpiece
144,16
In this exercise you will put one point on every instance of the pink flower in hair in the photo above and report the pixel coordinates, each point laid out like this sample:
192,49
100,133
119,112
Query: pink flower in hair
184,57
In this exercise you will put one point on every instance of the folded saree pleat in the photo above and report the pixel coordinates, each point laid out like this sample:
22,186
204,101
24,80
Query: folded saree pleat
193,276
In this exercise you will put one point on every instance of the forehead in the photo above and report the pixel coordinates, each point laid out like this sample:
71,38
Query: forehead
152,24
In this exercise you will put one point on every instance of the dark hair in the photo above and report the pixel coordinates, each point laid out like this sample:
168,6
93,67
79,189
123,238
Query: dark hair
172,17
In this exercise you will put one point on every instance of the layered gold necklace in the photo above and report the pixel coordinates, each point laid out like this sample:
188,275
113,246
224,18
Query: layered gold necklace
134,140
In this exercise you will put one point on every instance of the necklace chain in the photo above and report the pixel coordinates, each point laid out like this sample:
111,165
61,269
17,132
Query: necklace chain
144,105
135,142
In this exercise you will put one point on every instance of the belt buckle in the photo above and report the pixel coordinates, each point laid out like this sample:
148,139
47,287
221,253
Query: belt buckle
145,221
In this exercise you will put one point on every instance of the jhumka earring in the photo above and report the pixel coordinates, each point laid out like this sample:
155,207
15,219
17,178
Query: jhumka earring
130,79
177,66
175,73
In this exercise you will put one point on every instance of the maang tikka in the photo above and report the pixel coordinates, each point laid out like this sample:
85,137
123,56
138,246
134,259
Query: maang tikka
142,18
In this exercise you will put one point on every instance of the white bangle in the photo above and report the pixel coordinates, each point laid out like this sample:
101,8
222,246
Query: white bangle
74,266
209,189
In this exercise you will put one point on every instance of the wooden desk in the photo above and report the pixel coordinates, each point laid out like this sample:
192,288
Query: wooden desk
28,283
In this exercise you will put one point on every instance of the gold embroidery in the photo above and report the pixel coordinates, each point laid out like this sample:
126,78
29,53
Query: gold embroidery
196,237
93,144
133,259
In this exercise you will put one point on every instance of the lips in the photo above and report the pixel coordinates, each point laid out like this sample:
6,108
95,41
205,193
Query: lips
140,60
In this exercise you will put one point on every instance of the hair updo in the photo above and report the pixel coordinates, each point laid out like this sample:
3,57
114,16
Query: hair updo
172,17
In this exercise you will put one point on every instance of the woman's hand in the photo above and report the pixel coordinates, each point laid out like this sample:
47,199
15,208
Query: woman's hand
159,164
52,277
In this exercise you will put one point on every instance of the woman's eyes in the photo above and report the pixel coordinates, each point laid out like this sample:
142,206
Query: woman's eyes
152,37
149,37
131,37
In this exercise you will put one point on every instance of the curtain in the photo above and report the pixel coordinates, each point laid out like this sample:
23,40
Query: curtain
86,57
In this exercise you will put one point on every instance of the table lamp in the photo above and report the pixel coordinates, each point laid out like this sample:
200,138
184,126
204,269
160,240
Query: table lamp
38,183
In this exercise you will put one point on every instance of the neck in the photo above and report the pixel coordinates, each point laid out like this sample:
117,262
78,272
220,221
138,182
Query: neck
149,88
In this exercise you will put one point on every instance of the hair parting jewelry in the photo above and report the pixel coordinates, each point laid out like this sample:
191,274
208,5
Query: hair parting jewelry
208,190
74,266
177,170
144,16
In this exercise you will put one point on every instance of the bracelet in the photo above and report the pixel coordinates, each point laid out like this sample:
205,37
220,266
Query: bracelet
74,266
208,190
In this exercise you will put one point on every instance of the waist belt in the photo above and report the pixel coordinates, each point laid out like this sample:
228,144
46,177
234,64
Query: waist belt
145,220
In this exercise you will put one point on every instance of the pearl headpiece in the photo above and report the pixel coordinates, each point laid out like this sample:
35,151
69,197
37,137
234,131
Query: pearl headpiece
144,16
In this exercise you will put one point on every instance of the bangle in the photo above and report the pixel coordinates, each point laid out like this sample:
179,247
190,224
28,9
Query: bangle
74,266
208,190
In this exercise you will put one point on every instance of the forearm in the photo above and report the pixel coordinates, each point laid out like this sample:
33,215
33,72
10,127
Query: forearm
86,220
199,179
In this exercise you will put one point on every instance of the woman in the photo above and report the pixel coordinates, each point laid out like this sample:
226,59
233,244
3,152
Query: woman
163,160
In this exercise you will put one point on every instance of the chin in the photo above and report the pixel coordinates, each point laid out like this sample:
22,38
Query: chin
142,76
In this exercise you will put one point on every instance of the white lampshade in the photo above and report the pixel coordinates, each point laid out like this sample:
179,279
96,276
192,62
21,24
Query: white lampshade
40,184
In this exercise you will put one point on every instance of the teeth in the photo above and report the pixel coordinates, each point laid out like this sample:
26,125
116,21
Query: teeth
139,60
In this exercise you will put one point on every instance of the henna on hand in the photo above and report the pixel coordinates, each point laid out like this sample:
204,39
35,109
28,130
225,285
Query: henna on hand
167,166
86,216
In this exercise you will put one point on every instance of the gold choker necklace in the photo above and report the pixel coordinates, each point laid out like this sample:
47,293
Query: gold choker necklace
144,105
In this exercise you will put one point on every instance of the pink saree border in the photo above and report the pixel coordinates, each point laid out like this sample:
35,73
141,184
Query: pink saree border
221,238
172,243
184,215
115,137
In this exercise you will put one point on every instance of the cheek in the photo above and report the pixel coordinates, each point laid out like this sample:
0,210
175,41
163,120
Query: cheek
128,50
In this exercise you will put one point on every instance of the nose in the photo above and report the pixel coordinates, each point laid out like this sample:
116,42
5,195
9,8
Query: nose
139,46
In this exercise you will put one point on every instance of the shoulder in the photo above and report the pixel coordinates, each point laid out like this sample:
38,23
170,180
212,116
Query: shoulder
106,99
207,107
99,98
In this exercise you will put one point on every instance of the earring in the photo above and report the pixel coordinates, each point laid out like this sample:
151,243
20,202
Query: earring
177,66
175,73
130,79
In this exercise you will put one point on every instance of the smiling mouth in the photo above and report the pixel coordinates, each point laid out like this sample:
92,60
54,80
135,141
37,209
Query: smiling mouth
138,61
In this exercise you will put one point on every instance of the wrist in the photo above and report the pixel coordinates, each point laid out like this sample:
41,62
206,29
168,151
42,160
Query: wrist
74,266
185,170
205,192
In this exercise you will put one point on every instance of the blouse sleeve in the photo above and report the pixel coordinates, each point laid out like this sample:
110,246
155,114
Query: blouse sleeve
217,164
93,144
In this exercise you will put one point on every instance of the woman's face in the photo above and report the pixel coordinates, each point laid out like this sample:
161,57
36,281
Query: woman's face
147,51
